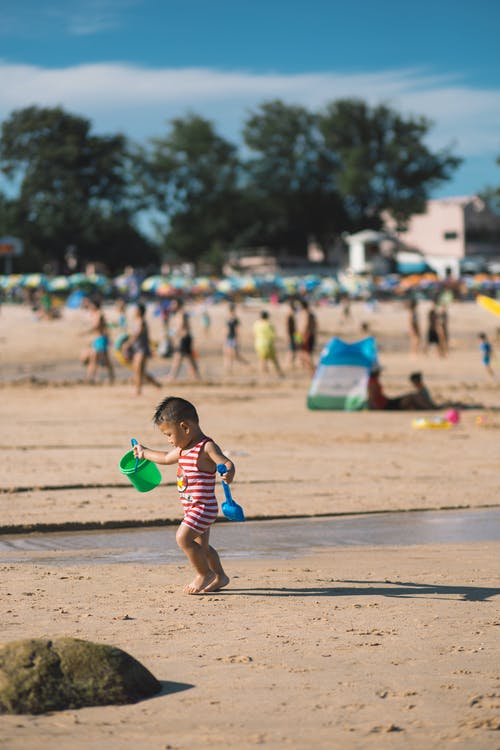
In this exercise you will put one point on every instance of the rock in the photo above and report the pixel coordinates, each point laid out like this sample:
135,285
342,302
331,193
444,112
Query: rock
39,675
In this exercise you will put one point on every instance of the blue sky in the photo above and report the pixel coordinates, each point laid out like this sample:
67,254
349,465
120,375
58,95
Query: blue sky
132,65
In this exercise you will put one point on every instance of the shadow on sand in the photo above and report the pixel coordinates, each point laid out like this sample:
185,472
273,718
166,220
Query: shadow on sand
168,688
397,589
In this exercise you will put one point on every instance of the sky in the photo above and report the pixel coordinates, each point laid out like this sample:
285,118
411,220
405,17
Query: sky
130,66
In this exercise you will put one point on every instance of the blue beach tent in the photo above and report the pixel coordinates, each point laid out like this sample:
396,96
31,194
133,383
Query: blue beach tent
341,378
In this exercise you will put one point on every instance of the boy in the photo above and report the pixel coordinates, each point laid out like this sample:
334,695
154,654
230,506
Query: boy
196,456
486,351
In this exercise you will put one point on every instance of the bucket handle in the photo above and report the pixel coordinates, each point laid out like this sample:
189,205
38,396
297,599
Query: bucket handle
133,442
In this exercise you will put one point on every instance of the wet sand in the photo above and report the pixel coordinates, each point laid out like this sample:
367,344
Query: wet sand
391,640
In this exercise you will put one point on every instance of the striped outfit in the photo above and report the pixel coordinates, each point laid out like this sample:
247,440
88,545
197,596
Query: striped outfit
197,490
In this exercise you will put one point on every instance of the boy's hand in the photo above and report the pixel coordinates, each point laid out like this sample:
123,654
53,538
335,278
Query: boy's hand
228,475
139,450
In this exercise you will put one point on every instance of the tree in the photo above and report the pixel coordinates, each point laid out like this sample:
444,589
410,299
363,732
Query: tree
192,178
382,162
492,194
74,186
290,179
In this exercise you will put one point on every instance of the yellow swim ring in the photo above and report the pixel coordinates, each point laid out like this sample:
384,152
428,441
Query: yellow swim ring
431,423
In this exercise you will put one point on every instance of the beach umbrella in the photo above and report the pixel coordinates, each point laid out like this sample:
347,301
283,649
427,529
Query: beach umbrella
226,286
97,280
58,284
179,282
329,286
202,285
246,284
12,280
77,279
165,289
151,283
34,280
290,284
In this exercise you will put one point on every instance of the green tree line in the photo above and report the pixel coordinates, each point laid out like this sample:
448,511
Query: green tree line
296,175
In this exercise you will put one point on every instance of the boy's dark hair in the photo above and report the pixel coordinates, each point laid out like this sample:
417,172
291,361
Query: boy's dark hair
416,378
175,410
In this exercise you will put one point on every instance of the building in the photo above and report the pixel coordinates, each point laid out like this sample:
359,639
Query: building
454,233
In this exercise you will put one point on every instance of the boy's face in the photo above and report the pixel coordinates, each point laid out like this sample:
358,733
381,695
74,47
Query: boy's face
178,434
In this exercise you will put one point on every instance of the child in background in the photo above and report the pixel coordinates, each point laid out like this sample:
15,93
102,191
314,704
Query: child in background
197,457
231,343
264,343
98,353
486,351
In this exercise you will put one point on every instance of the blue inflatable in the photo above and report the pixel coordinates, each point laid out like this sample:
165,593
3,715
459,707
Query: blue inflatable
341,378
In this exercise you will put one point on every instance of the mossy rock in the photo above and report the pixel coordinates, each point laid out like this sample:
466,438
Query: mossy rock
38,675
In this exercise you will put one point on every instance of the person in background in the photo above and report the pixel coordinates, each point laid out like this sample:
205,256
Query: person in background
423,398
98,352
307,331
486,353
139,349
264,343
435,335
184,350
414,327
291,333
231,342
379,401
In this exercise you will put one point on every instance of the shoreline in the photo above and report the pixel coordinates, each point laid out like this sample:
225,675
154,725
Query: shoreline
131,524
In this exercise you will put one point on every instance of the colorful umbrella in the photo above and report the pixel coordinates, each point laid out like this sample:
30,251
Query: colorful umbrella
34,280
152,283
58,284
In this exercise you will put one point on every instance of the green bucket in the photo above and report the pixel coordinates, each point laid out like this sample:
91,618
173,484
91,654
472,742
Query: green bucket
147,476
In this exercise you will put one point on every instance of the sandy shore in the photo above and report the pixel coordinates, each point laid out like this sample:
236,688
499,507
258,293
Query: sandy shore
393,646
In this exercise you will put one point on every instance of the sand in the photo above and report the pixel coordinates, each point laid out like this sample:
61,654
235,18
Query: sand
348,647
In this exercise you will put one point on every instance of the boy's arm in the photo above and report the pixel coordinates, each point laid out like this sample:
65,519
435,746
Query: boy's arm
158,457
213,451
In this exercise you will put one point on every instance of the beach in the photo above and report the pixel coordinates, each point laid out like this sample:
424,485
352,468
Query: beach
345,647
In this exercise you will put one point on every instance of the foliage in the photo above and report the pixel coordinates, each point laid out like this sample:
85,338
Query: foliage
383,164
291,179
492,194
192,176
73,185
305,175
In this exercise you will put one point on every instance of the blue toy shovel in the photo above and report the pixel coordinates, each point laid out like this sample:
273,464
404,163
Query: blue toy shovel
231,510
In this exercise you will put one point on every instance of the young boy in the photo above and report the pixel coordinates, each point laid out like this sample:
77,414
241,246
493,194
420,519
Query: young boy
486,352
197,457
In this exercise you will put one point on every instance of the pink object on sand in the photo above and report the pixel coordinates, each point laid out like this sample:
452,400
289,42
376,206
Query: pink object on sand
453,416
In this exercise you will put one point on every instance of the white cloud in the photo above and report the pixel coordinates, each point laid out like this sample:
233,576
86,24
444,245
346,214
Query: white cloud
138,101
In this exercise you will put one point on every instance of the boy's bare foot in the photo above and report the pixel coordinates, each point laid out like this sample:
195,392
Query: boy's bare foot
199,583
218,583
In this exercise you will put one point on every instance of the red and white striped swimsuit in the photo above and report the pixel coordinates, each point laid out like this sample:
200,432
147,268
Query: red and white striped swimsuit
197,490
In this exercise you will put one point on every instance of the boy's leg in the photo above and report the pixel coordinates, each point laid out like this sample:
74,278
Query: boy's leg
221,579
187,539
